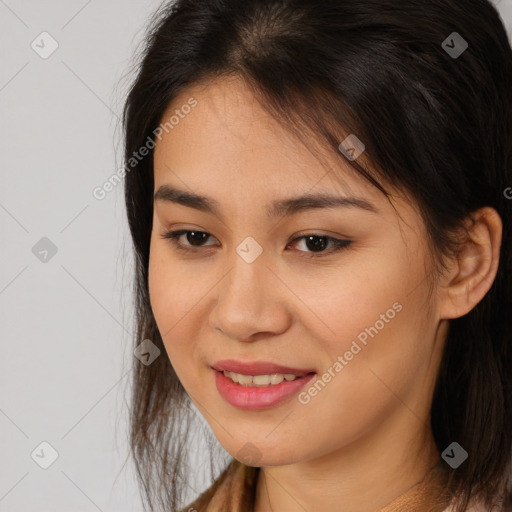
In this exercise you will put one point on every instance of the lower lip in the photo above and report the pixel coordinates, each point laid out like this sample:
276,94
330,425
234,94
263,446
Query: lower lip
254,398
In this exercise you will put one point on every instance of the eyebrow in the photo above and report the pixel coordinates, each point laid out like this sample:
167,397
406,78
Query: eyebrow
289,206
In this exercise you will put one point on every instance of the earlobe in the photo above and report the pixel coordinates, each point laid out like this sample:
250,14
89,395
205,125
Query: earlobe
473,272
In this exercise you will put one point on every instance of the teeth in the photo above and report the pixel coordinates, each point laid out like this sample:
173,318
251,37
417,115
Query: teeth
260,381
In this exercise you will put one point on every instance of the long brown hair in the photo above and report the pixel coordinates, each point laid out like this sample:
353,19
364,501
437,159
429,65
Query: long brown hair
435,124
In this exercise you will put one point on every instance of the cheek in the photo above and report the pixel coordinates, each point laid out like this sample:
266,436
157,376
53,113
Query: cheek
370,330
175,298
168,302
343,304
173,291
368,375
160,280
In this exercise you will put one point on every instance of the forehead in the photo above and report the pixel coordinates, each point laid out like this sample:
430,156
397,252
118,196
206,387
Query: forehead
229,140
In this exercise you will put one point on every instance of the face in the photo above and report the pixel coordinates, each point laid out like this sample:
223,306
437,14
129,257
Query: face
247,284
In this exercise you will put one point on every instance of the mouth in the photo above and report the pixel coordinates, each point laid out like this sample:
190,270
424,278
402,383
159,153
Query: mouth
259,368
254,386
260,381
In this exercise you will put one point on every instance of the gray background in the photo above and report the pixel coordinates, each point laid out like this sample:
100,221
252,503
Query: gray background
66,321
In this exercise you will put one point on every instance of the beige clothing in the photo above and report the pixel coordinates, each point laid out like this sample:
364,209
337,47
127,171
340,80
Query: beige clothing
235,491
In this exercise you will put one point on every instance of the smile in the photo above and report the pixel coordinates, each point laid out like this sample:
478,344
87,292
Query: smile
256,392
260,380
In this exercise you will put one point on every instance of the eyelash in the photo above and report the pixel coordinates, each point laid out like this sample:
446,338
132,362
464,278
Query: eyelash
173,236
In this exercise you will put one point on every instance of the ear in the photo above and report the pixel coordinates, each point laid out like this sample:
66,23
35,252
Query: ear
473,271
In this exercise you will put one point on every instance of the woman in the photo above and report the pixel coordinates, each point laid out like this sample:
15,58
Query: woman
318,194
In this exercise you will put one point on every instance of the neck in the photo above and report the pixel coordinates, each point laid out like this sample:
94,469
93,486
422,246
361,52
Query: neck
356,480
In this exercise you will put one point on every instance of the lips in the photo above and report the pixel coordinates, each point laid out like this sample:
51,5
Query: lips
258,368
252,398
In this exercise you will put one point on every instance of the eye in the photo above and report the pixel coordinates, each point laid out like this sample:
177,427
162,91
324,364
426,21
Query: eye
314,242
317,243
196,237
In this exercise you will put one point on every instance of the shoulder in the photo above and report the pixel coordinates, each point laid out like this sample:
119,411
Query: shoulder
232,491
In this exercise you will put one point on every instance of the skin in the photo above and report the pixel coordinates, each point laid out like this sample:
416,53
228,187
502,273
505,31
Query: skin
365,438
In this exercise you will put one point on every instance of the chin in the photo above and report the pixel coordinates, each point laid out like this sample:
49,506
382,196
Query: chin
265,453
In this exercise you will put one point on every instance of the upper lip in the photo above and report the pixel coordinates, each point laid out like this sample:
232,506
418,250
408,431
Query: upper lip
257,368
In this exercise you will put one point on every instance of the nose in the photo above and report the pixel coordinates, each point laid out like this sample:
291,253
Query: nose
251,302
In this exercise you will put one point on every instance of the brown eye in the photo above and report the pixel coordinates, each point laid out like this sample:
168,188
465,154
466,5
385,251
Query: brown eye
317,243
194,239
